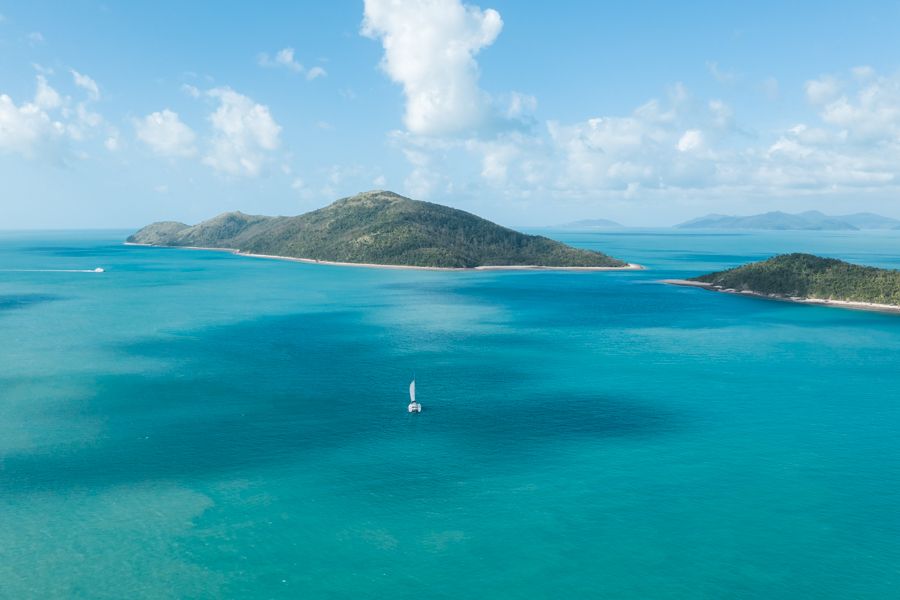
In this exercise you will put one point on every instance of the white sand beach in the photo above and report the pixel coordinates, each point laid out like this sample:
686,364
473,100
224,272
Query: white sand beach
628,267
847,304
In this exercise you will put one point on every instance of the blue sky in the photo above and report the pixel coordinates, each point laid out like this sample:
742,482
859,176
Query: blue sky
120,113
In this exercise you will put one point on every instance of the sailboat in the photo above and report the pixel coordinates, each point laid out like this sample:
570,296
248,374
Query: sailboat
414,407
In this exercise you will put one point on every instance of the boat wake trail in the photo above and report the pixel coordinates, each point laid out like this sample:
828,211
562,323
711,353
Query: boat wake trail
97,270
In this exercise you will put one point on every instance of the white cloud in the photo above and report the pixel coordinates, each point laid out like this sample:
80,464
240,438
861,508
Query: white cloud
315,73
429,48
26,129
710,154
496,160
190,90
86,83
871,113
691,140
719,74
112,142
681,147
84,120
863,72
46,97
44,126
166,134
285,58
822,90
244,134
35,37
520,105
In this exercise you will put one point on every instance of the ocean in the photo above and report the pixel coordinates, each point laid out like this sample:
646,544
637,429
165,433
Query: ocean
194,424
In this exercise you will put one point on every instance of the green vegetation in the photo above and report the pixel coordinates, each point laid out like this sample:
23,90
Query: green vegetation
380,228
808,276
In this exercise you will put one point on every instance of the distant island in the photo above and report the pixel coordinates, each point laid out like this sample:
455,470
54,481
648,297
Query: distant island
812,220
809,279
378,228
591,224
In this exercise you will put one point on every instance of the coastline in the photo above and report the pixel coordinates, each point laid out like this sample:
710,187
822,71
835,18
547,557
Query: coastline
312,261
845,304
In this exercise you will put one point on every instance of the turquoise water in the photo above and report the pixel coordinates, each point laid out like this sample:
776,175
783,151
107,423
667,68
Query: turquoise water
195,424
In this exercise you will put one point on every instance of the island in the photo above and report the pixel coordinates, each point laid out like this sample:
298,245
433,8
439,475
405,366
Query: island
379,229
812,220
808,279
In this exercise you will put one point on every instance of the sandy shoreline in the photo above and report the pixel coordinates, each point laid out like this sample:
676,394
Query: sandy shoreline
846,304
312,261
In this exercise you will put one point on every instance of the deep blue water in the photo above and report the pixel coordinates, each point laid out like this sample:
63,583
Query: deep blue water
194,424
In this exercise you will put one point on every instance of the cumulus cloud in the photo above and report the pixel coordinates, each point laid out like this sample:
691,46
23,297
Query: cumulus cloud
870,112
285,58
691,140
112,142
166,134
315,73
82,121
244,133
680,146
27,128
46,97
430,48
87,84
520,105
822,90
44,126
659,145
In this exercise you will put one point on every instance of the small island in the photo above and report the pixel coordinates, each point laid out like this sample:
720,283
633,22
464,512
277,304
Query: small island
808,279
379,229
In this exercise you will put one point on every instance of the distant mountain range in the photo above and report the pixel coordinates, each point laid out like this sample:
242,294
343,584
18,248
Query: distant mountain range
810,220
591,224
377,227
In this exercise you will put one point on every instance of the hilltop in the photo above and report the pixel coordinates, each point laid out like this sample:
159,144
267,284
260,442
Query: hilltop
380,228
806,277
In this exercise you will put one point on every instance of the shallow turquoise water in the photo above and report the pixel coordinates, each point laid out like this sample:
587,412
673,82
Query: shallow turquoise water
195,424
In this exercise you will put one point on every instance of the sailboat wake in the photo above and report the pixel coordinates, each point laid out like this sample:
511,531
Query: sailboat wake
97,270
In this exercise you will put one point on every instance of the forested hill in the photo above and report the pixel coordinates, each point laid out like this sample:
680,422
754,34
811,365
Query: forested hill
379,228
809,276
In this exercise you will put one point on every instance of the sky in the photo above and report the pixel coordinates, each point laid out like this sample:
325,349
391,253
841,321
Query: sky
116,114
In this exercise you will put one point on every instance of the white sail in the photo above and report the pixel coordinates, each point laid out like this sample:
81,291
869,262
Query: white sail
412,391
